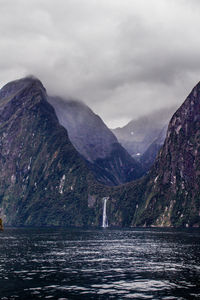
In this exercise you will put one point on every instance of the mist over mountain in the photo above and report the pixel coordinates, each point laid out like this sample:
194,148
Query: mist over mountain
140,133
44,180
88,133
110,162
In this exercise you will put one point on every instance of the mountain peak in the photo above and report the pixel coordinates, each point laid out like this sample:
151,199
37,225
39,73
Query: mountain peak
12,88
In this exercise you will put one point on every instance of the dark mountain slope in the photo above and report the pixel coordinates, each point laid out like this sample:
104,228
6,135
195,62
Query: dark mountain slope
175,177
43,180
171,191
110,162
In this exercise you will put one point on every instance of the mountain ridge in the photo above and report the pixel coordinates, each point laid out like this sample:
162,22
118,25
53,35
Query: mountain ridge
110,162
44,180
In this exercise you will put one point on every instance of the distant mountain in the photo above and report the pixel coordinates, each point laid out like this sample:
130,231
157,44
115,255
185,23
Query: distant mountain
148,157
110,162
139,134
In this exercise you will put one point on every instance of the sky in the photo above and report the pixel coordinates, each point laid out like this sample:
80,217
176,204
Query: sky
123,58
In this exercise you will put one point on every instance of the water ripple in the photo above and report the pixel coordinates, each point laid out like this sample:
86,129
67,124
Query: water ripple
99,264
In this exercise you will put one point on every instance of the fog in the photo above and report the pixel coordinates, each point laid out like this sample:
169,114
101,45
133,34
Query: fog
123,58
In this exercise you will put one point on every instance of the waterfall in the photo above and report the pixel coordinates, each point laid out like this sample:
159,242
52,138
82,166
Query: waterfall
105,220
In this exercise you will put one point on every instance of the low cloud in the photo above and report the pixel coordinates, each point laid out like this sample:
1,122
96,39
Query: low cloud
123,58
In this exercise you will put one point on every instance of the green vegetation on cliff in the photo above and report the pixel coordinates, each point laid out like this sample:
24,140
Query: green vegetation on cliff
45,181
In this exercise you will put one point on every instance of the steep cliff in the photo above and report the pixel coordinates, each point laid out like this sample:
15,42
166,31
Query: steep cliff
43,179
172,193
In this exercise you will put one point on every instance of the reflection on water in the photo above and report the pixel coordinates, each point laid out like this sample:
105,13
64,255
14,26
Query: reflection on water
99,264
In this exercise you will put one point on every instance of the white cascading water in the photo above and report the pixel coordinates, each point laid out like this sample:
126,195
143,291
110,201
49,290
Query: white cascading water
105,220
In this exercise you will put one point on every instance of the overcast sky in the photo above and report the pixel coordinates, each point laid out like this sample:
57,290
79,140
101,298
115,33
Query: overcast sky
124,58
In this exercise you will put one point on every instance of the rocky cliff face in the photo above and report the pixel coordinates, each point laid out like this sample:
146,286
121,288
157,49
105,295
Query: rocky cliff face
109,161
172,193
43,180
148,157
169,195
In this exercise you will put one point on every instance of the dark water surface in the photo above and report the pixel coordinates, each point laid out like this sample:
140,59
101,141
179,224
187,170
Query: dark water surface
99,264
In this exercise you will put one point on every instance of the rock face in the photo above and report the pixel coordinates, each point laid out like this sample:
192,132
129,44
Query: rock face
110,162
43,179
172,189
169,195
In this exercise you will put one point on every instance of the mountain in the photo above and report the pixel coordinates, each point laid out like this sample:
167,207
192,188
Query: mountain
148,157
139,134
169,195
43,179
109,161
174,182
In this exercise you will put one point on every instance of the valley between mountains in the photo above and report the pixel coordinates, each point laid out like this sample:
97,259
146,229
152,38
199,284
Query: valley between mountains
58,160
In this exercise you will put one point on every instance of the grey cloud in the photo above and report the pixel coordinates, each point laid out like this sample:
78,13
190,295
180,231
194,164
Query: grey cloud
123,58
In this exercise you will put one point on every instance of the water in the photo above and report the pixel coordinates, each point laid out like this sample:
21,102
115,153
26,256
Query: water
99,264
